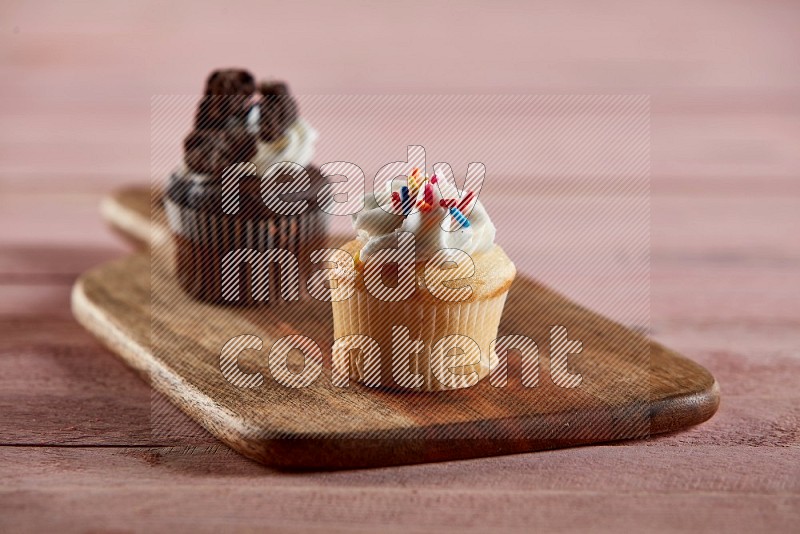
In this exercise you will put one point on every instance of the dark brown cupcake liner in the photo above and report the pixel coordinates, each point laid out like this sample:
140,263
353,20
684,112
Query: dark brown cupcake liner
204,238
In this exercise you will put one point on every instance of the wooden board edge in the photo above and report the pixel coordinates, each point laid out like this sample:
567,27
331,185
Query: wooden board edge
667,414
702,405
128,223
338,453
679,412
141,361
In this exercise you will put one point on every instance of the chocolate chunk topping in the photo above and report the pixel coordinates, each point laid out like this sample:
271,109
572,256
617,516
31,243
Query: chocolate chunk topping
227,99
230,82
211,151
220,112
278,110
273,88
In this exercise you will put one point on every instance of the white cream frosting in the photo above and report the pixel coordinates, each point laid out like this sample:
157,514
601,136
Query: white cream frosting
295,145
434,229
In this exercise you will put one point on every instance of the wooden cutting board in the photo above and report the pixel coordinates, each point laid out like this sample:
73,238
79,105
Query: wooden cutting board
631,386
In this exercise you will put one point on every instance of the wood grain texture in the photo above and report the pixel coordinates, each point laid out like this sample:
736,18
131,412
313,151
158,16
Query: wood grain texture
725,258
211,488
632,387
128,212
60,387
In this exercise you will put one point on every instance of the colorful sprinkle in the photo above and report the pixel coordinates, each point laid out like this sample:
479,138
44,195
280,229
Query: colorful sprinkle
448,203
459,217
396,200
412,183
464,204
429,194
404,197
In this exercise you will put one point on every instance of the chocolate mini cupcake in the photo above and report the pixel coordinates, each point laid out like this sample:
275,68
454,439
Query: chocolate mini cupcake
238,122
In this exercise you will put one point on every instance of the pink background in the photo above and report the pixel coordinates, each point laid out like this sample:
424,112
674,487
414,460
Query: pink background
724,81
723,76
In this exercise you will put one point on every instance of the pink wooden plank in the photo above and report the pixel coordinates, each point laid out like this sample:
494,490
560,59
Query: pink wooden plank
552,45
614,469
723,78
57,221
58,386
37,301
722,106
114,142
49,264
714,488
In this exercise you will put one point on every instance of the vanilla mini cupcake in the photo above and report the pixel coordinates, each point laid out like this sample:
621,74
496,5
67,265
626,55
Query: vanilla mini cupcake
434,313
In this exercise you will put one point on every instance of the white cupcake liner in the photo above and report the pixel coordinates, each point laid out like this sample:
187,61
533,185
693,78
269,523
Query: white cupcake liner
428,321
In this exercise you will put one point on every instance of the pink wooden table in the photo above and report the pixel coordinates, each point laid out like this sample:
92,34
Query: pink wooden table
76,447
